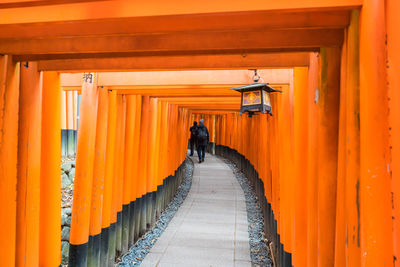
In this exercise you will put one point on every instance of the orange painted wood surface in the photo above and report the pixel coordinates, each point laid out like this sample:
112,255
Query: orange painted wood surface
29,150
50,181
9,109
375,184
80,218
110,160
99,164
121,8
393,61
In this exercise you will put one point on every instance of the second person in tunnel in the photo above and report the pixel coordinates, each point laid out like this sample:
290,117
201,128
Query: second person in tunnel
202,140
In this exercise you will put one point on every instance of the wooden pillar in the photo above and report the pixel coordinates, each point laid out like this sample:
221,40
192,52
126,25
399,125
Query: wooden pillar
143,150
70,123
312,164
340,230
152,146
116,215
9,105
285,120
164,140
299,236
128,170
136,171
157,176
29,148
108,178
352,184
375,184
80,218
98,179
328,108
50,180
63,123
393,43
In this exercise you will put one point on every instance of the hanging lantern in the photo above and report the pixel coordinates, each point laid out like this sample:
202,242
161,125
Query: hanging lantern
255,97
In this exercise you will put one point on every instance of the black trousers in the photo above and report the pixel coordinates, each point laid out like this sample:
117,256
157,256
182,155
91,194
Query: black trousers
192,142
201,151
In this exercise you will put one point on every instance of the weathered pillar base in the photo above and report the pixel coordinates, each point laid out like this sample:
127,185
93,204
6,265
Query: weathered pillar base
111,244
132,218
125,228
104,241
93,259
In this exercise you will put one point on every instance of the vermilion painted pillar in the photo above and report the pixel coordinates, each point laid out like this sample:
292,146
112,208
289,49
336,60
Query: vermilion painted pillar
393,43
136,196
164,141
108,178
143,150
157,176
128,171
328,127
98,179
136,155
352,184
375,185
299,236
112,244
116,210
312,164
152,146
9,105
116,182
286,174
80,218
50,180
29,148
340,229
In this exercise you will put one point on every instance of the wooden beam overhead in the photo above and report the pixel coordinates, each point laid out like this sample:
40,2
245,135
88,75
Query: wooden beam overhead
190,79
182,42
195,62
193,92
202,100
220,112
253,20
212,107
125,8
36,3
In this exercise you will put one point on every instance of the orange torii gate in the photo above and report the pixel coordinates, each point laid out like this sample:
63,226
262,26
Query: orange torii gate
340,133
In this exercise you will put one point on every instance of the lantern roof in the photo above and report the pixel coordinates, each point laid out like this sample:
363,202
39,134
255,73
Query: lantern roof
256,86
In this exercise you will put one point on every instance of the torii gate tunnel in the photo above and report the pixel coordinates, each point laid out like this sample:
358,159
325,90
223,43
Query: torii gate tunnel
323,167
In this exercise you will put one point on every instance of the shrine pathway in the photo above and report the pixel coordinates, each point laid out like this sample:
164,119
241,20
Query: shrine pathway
210,228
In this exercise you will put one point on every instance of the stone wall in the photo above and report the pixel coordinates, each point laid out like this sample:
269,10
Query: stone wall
67,183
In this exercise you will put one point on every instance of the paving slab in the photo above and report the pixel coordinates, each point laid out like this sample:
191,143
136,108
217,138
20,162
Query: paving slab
210,228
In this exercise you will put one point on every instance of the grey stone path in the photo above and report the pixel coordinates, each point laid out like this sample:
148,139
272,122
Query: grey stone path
210,228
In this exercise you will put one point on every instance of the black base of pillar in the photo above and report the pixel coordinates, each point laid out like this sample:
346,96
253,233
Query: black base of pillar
125,228
78,255
131,238
94,251
105,236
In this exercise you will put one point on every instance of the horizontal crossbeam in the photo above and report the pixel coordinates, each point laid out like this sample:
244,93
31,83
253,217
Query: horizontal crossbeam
188,43
195,62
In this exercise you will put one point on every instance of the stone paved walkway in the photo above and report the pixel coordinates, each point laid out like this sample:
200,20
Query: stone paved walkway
210,228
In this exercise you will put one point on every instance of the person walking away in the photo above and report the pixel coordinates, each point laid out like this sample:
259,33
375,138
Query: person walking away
193,137
202,140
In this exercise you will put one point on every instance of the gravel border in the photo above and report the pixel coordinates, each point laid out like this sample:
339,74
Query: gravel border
259,252
136,254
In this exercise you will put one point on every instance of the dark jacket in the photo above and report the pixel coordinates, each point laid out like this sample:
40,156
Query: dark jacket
202,142
193,131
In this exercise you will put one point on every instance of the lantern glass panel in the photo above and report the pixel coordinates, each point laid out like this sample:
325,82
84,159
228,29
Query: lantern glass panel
251,98
267,99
